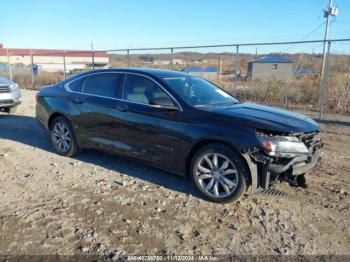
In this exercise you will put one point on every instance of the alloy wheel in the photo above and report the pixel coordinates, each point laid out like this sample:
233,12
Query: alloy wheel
61,137
217,175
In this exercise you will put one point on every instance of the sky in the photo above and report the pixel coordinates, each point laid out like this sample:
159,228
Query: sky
114,24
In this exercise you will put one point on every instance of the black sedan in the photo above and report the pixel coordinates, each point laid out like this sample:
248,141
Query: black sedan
182,124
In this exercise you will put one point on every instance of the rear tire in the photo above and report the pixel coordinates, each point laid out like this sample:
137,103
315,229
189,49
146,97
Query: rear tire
63,138
219,173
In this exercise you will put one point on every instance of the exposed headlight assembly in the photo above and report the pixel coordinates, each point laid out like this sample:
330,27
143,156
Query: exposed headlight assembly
283,146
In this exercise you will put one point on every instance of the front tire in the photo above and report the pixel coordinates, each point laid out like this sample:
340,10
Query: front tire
219,173
63,137
11,110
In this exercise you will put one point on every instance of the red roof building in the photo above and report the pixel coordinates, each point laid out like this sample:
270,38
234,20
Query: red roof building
50,52
54,59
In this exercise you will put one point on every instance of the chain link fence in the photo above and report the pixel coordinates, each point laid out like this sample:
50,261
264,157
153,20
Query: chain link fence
285,74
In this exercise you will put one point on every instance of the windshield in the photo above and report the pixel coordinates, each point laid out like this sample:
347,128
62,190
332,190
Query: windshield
198,92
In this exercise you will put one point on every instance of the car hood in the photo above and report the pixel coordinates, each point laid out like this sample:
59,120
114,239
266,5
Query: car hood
5,81
268,118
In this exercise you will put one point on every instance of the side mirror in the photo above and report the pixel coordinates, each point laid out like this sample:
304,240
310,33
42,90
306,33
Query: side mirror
163,102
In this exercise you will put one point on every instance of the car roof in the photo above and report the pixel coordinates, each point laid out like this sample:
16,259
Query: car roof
160,73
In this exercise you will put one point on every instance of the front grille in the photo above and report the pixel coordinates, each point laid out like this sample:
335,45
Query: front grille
6,102
4,89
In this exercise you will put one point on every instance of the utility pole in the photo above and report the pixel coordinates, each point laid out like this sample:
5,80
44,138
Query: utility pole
64,64
220,72
172,58
236,71
32,68
331,11
8,63
327,15
324,82
256,53
128,57
92,56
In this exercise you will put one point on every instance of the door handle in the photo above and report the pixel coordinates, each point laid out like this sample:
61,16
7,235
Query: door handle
78,100
122,108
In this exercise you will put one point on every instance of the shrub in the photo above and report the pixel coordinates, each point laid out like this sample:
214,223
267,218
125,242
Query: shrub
309,90
338,93
43,79
274,91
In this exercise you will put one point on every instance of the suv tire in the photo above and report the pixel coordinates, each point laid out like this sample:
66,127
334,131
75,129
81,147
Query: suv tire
10,110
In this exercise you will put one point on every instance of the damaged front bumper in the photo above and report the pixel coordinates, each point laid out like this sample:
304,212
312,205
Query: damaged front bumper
295,166
267,169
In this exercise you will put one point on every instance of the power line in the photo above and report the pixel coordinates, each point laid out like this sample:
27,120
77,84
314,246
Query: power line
306,36
337,22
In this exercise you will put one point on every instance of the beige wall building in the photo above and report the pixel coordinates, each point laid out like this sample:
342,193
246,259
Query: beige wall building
53,60
270,67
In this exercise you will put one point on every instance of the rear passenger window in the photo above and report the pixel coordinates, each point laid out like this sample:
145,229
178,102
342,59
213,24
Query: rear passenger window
103,85
76,85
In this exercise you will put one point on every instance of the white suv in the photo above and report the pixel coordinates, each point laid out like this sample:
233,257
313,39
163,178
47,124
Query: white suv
10,95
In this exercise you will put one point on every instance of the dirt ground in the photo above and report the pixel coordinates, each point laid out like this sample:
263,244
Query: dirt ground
101,204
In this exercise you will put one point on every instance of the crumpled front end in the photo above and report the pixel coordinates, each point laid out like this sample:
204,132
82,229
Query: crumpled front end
285,156
299,164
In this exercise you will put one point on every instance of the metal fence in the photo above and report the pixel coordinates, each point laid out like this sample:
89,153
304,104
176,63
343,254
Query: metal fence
297,86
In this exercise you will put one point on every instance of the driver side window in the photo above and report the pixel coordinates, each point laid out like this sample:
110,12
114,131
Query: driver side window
139,89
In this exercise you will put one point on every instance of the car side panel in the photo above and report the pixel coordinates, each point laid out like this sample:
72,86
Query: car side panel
100,125
157,134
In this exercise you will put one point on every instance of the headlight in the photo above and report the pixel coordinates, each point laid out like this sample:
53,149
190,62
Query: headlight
13,87
283,146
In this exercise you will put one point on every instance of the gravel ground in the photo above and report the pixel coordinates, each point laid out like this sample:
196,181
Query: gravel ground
104,205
